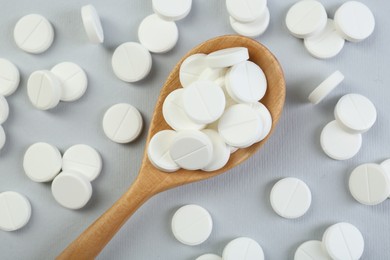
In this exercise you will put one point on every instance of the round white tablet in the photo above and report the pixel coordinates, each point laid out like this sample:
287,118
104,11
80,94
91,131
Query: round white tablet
158,151
311,250
266,118
158,35
2,137
246,10
243,248
4,109
339,144
354,21
44,89
369,184
15,211
131,62
355,113
122,123
92,24
326,44
191,68
330,83
83,159
191,149
386,166
172,10
9,77
240,126
227,57
73,80
209,257
174,114
33,33
343,241
71,190
252,29
42,162
306,18
221,151
192,225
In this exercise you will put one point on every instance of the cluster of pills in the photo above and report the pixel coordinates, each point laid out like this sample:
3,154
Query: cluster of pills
324,38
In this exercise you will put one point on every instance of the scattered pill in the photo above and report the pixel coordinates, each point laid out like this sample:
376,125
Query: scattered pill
311,250
172,10
4,109
243,248
9,77
158,151
221,151
92,24
191,69
15,211
330,83
386,166
227,57
246,10
44,89
266,119
209,257
2,137
252,29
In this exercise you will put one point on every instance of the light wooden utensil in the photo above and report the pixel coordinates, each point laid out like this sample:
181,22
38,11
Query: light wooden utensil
150,180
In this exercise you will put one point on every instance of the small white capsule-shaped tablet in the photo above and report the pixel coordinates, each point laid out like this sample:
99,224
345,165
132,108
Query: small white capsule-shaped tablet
73,79
252,29
221,151
355,113
172,10
209,257
330,83
243,248
42,162
343,241
192,225
227,57
33,33
44,89
9,77
158,151
266,118
131,62
311,250
15,211
4,109
246,11
92,24
191,68
369,184
386,166
2,137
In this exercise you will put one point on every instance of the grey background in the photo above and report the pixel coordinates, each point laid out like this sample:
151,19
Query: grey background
237,200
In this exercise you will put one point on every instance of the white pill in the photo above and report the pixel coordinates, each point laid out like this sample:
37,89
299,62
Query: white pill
158,35
73,79
191,149
227,57
15,211
221,151
122,123
83,159
326,44
71,190
131,62
252,29
355,113
369,184
213,74
174,114
354,21
42,162
33,33
158,151
386,166
191,68
246,11
330,83
339,144
172,10
311,250
44,89
2,137
92,24
266,119
192,225
240,126
343,241
9,77
4,109
243,248
306,18
209,257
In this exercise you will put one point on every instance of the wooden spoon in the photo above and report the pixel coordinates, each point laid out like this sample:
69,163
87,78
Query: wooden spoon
150,180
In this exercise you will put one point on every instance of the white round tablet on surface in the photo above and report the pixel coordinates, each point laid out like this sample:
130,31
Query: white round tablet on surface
266,118
4,109
122,123
2,137
192,225
252,29
339,144
9,77
73,79
191,149
369,184
221,151
354,21
311,250
330,83
44,89
243,248
386,166
131,62
158,35
191,69
15,211
246,10
33,33
227,57
306,18
209,257
355,113
326,44
343,241
71,190
92,24
172,10
42,162
158,151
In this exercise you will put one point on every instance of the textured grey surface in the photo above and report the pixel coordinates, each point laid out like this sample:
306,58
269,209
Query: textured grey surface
237,200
